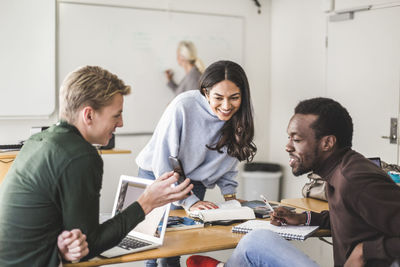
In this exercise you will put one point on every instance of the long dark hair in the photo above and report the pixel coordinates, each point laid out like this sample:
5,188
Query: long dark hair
238,132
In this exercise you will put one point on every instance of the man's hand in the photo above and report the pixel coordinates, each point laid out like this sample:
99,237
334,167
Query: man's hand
72,245
203,205
162,192
282,216
356,258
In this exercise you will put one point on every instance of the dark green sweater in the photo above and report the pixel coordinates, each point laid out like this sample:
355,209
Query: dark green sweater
54,185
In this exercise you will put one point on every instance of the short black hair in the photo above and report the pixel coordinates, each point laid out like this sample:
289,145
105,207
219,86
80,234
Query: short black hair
333,119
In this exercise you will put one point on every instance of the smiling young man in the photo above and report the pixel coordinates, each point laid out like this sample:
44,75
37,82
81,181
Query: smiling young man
364,203
54,183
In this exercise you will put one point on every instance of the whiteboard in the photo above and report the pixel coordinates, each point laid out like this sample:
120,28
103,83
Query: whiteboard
27,58
138,45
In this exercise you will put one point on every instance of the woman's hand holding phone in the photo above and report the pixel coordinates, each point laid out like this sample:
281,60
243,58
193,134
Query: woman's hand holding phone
178,168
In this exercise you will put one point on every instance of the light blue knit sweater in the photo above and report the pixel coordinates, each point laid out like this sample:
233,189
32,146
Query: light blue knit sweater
186,127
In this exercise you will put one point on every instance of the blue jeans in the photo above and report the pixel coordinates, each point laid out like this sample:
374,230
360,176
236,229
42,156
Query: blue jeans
199,190
266,248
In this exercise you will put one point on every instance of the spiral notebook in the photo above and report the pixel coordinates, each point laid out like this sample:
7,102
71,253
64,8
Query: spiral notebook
289,232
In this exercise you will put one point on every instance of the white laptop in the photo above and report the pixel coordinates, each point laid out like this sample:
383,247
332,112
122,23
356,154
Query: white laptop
149,233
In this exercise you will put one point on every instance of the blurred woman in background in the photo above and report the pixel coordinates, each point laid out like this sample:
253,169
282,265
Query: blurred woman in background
186,56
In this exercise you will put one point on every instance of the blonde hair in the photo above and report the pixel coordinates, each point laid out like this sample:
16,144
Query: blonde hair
89,86
188,51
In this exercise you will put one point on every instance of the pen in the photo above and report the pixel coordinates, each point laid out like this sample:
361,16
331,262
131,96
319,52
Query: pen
266,202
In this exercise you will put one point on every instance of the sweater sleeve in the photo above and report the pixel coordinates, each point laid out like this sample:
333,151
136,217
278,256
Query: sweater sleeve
173,85
227,182
79,191
321,219
383,213
166,139
165,143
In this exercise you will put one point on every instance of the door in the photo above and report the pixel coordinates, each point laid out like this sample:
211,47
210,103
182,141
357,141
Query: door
363,58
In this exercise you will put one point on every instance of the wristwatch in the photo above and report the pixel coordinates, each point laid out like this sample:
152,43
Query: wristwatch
230,196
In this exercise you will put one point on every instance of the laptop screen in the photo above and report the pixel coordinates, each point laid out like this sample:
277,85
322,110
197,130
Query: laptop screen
153,227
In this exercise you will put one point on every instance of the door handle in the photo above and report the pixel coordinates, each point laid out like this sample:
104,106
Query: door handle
389,137
393,131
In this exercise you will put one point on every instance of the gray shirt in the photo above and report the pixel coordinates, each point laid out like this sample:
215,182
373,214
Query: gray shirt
189,82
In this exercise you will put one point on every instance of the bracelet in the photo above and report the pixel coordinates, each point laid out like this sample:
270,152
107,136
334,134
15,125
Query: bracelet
230,196
308,221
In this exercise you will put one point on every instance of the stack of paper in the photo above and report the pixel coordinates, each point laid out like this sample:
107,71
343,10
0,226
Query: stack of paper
229,210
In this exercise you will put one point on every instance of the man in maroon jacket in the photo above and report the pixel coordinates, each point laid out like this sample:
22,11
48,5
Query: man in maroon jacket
364,202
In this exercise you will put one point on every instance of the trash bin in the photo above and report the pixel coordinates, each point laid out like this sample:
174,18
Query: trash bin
261,178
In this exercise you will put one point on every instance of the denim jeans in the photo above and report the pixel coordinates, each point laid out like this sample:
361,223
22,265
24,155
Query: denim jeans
199,190
266,248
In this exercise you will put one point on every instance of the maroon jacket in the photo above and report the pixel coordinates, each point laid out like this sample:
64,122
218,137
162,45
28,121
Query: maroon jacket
364,206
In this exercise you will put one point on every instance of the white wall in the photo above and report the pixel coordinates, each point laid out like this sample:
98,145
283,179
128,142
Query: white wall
297,73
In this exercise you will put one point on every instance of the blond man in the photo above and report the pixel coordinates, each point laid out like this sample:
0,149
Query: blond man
54,183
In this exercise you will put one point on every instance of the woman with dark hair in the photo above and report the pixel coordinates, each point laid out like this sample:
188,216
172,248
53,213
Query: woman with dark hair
210,130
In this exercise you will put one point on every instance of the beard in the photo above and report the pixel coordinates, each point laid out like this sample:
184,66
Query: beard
302,168
300,171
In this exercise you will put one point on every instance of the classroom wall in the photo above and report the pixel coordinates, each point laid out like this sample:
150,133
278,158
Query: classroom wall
297,73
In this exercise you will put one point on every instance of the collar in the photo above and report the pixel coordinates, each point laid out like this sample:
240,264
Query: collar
66,125
329,165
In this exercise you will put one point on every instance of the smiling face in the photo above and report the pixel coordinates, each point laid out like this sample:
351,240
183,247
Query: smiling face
105,121
303,147
225,99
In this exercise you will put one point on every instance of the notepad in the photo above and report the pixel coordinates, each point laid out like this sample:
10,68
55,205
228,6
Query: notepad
289,232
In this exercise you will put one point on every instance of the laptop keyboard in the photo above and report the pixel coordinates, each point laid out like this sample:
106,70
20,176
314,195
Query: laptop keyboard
131,243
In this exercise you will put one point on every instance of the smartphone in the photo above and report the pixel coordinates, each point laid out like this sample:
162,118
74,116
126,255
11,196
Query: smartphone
177,166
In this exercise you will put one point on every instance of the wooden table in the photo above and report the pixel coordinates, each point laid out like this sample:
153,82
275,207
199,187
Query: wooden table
310,204
176,243
7,158
192,241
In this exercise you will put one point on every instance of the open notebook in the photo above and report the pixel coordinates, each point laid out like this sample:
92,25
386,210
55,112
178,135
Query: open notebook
290,232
